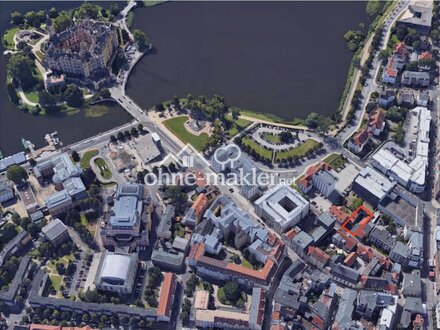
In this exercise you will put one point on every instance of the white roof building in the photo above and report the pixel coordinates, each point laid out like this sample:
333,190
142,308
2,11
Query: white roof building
282,207
116,272
411,175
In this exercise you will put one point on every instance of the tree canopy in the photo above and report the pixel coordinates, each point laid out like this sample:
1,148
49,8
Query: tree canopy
21,68
16,174
140,38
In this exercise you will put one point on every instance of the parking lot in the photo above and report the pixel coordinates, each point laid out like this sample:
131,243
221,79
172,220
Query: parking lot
345,177
78,274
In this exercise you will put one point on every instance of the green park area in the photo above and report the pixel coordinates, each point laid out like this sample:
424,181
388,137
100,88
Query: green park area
262,152
273,138
8,38
237,126
103,168
85,159
336,161
177,127
300,151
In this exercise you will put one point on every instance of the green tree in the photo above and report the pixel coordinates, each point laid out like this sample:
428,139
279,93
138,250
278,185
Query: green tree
114,9
140,37
16,174
312,120
75,156
73,96
13,96
235,113
52,12
17,18
87,9
105,93
21,68
48,102
62,22
232,291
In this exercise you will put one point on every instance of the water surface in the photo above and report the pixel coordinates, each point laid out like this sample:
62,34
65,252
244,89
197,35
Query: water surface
285,58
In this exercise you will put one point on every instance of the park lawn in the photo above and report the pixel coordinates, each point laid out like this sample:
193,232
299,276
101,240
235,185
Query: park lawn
264,153
9,37
32,96
239,125
299,151
56,281
105,172
39,54
336,161
85,159
274,138
85,224
177,127
246,263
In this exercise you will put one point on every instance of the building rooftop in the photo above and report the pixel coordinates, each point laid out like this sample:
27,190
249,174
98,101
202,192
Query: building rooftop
374,182
417,15
127,209
54,229
201,300
167,295
283,203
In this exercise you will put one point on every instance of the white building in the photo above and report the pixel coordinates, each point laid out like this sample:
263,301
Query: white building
324,181
116,272
282,207
412,174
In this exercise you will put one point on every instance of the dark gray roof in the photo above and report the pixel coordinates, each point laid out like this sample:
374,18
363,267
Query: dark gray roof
54,229
166,221
17,280
12,246
36,300
345,273
326,220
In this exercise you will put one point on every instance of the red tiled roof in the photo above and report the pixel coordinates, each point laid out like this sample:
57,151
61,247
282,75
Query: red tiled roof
361,137
391,72
306,181
350,241
200,204
350,259
377,119
425,56
166,295
401,49
338,213
318,254
365,252
262,274
276,316
291,233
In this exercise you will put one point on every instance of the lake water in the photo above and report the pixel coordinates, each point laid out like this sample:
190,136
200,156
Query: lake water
285,58
15,124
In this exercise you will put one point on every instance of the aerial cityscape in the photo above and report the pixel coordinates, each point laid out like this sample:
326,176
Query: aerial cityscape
220,165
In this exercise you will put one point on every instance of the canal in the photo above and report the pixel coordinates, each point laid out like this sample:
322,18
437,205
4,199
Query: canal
285,58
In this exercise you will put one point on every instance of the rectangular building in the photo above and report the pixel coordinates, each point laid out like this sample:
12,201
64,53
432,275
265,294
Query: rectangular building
282,207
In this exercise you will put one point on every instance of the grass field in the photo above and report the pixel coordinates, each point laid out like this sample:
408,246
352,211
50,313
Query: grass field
56,281
85,159
105,172
176,126
274,138
9,37
335,160
264,153
299,151
32,96
239,125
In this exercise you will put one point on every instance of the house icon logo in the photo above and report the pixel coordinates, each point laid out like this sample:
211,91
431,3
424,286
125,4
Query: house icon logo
187,157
